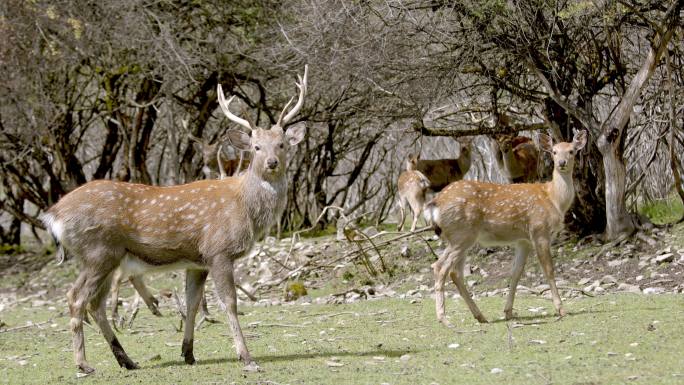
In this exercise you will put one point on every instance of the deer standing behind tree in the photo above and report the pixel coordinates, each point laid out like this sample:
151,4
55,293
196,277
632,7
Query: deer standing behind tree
527,216
517,158
202,227
441,172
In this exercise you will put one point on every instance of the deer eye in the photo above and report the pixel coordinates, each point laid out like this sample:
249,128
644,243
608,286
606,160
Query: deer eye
281,145
257,148
572,152
553,152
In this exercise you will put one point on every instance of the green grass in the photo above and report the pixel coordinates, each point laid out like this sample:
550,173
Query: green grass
605,340
663,211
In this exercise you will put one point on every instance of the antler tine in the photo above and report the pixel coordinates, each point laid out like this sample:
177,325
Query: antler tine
280,118
302,92
224,107
222,172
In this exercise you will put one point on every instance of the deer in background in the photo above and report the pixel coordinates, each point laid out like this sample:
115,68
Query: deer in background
214,159
202,227
517,158
413,185
526,216
441,172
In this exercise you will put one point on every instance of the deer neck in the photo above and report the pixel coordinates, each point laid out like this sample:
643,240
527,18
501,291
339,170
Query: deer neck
264,199
561,190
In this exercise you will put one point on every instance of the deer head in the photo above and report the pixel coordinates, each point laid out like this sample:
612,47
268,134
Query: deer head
563,153
268,146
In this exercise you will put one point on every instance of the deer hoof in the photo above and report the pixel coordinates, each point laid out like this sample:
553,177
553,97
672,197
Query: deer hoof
445,322
251,367
481,319
85,369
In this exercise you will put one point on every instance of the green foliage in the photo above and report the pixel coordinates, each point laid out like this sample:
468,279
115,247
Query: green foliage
294,291
8,249
663,211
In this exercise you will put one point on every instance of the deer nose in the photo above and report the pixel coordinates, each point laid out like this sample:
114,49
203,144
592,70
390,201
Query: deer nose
272,163
562,163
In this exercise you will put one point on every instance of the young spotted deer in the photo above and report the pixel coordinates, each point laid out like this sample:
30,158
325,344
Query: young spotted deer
441,172
412,187
517,158
202,227
526,216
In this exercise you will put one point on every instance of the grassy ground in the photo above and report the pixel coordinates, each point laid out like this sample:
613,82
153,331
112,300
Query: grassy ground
610,339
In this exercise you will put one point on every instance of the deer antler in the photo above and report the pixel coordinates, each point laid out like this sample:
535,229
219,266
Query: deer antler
224,107
300,102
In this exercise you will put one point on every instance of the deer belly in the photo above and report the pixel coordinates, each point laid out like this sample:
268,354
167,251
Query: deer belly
132,265
500,236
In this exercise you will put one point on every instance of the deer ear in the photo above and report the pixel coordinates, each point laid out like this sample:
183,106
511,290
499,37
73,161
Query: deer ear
295,133
239,139
579,140
546,142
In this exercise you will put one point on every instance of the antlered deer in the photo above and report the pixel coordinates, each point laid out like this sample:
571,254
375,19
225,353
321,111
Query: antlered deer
202,226
524,215
212,159
413,185
517,157
441,172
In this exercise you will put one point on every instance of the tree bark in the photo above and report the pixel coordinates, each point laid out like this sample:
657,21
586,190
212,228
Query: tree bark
610,141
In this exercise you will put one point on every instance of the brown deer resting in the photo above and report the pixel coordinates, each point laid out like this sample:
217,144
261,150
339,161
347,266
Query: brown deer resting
524,215
413,185
517,158
202,226
441,172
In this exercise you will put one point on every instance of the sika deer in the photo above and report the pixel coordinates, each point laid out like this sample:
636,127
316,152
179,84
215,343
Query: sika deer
202,226
412,187
441,172
524,215
517,158
214,159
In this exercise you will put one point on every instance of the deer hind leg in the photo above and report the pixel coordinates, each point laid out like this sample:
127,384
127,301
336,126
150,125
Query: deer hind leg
417,207
194,293
116,286
204,308
151,302
543,250
222,274
77,312
522,251
402,213
92,283
440,269
453,256
97,310
457,275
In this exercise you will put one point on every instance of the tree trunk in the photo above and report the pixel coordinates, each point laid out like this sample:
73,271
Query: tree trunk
618,219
